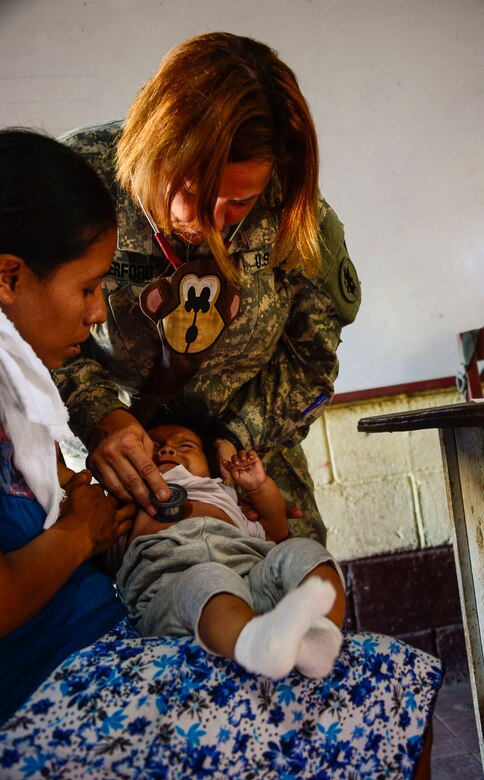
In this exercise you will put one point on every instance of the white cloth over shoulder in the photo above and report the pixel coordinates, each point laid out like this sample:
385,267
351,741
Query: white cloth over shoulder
213,491
33,416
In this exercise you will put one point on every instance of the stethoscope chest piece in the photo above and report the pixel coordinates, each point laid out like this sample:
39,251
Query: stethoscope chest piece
172,510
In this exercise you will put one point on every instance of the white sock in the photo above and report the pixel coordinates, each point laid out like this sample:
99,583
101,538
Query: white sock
319,648
268,644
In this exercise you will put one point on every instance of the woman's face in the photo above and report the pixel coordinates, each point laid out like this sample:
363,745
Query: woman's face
240,186
54,315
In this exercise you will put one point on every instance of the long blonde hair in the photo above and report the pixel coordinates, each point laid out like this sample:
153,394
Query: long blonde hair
216,99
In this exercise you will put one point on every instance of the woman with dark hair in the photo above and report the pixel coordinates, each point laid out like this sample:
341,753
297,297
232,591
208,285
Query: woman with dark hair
56,243
219,151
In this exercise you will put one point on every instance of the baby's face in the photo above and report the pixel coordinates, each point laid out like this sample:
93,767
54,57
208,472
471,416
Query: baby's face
179,446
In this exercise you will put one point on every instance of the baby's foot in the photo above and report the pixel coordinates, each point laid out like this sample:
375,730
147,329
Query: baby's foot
269,644
319,648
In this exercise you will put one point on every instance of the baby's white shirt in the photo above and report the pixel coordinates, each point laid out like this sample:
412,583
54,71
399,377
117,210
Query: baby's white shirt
213,491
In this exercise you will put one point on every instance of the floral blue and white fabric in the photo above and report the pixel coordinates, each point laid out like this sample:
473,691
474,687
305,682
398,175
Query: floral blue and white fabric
128,707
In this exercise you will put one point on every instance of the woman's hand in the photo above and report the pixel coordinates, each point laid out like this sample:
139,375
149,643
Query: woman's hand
121,459
251,514
96,519
225,450
30,576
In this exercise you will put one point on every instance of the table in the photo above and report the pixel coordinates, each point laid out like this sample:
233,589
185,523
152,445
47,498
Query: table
461,430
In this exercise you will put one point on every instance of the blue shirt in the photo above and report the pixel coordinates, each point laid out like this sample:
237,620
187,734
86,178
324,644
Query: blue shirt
80,612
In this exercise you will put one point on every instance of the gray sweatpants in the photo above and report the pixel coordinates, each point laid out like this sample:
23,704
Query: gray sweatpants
167,578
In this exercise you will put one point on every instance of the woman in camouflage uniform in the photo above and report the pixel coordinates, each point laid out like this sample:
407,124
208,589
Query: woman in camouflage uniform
217,162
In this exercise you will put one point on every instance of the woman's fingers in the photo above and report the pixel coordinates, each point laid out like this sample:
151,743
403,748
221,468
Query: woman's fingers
110,481
125,518
121,458
130,476
225,451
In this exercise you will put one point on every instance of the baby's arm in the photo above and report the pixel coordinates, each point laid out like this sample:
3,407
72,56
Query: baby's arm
247,472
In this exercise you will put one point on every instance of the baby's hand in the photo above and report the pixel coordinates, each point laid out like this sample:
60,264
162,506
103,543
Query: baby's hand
246,470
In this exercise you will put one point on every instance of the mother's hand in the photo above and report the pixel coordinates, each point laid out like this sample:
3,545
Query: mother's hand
92,515
121,459
225,450
247,508
89,523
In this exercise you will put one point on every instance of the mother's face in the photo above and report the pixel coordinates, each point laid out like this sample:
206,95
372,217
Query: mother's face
54,315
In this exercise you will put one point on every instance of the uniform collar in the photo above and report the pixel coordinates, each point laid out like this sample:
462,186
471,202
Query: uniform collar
134,232
135,235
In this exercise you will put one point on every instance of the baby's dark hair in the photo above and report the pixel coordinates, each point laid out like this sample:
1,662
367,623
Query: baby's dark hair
193,415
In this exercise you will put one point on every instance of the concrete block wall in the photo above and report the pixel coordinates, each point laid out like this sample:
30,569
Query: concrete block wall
383,500
379,493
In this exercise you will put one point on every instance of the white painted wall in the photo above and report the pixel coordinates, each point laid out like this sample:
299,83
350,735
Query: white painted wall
397,92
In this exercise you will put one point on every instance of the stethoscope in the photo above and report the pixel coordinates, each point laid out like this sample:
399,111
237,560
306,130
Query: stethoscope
164,244
172,510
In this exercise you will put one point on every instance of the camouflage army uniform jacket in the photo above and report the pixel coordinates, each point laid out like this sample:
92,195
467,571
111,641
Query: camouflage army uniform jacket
266,369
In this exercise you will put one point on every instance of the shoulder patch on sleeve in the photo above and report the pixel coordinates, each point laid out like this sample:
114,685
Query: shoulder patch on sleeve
348,280
340,279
